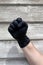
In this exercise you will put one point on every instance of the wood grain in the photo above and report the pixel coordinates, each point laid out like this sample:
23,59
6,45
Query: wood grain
35,31
28,13
21,1
13,62
11,49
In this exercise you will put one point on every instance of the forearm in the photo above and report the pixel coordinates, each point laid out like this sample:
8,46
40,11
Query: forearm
33,56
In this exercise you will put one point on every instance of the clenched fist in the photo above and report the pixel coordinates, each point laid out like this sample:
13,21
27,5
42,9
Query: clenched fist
18,29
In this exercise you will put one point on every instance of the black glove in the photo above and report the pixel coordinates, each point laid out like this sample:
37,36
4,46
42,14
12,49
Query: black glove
18,29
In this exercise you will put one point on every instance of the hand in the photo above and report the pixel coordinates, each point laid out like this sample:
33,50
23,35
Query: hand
18,29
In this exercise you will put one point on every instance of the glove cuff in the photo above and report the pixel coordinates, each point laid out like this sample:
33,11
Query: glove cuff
24,41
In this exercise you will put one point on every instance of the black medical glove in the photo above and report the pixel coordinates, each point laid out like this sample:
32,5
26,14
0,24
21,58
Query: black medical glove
18,29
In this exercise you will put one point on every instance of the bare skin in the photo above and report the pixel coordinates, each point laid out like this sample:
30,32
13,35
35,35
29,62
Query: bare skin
33,56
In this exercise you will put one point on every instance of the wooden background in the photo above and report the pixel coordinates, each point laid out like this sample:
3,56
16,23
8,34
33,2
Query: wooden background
32,12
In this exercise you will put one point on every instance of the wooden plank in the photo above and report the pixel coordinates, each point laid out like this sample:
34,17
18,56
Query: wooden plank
21,1
11,49
17,62
2,62
13,62
28,13
35,31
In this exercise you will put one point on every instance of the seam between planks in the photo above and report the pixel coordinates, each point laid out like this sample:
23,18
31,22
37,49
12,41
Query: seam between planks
19,4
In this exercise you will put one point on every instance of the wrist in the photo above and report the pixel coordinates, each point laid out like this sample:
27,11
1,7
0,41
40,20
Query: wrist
23,42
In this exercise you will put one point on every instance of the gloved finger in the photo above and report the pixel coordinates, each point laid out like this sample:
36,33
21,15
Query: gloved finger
20,24
12,26
19,20
24,24
10,29
15,23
